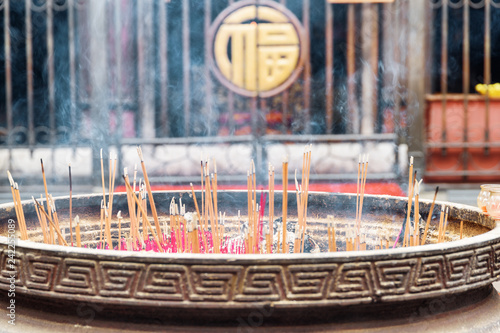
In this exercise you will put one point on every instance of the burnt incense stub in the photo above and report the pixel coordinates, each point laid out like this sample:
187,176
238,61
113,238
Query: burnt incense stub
148,284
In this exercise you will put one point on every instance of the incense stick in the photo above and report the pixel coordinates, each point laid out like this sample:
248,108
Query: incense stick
50,221
150,194
119,216
285,202
47,200
146,220
416,215
22,221
440,228
78,234
42,225
70,205
429,217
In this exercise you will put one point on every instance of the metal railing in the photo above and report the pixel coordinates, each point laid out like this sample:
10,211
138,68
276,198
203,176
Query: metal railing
460,51
101,73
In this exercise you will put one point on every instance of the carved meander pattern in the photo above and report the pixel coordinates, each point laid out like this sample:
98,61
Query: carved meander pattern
233,284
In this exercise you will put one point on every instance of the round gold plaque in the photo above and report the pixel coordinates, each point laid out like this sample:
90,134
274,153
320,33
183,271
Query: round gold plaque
256,48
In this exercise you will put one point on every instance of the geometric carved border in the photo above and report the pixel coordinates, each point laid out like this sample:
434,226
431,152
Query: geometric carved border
163,282
393,277
213,283
5,271
119,279
353,280
428,275
496,259
481,265
77,276
41,271
309,282
262,283
234,285
458,268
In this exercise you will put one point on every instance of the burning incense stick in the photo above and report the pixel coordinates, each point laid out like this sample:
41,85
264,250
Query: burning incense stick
461,228
50,221
102,177
17,207
416,215
271,204
406,238
119,216
410,199
42,223
429,217
47,200
285,202
305,193
440,228
364,170
445,223
55,217
70,205
160,248
22,221
150,194
101,236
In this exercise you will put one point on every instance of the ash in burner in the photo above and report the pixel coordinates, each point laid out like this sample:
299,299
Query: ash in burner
310,244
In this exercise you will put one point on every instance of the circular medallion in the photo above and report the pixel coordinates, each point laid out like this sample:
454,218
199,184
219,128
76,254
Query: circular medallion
256,48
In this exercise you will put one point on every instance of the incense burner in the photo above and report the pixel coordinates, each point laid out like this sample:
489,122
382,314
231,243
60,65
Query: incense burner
281,288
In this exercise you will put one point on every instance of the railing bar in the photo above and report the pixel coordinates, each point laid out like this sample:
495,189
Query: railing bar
230,102
140,66
8,77
397,71
330,138
307,67
208,78
285,111
487,68
351,70
118,68
230,108
188,140
466,79
374,63
468,145
253,115
444,67
262,125
462,173
72,70
118,81
8,70
386,137
163,36
186,66
50,70
284,101
29,73
329,66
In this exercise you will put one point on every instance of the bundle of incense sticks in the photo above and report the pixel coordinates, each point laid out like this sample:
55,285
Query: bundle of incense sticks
360,195
204,231
18,207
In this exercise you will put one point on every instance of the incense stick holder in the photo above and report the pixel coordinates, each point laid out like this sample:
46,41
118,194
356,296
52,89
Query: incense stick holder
282,288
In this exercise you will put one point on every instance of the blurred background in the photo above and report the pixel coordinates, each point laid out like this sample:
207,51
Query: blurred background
392,79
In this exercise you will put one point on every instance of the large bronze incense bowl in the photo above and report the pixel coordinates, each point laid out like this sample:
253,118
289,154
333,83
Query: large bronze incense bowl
221,289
